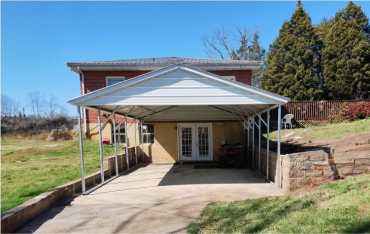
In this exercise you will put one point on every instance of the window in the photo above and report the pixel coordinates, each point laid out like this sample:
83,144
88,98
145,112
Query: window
147,134
121,133
230,78
111,80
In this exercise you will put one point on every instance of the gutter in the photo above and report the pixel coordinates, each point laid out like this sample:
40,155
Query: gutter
76,67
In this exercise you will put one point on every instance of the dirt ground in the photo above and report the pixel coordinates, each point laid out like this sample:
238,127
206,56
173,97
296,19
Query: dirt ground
350,147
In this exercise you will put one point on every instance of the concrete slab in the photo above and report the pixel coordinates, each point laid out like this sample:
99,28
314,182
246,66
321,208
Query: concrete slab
153,199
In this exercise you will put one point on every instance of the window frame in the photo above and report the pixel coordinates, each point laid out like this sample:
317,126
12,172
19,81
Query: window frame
107,78
119,134
150,135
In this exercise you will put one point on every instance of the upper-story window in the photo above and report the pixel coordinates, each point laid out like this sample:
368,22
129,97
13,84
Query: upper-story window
230,78
111,80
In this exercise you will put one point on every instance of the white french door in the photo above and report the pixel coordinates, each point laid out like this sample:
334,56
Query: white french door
195,141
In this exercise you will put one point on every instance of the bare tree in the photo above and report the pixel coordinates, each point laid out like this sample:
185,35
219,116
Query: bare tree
52,106
237,46
9,107
225,45
219,44
36,103
6,103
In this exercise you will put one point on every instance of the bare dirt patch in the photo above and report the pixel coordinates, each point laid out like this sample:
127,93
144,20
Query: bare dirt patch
346,149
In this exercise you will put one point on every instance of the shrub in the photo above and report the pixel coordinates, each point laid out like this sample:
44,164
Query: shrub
59,134
356,110
338,114
34,125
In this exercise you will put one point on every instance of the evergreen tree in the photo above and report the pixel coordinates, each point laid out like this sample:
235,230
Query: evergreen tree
346,54
323,28
242,53
256,52
293,63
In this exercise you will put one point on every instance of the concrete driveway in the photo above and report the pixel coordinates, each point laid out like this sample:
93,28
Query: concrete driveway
152,199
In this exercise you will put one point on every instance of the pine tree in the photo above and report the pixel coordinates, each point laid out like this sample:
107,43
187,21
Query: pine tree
256,52
293,63
242,53
346,54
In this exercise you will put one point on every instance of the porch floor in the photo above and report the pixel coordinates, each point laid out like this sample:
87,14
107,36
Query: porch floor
152,199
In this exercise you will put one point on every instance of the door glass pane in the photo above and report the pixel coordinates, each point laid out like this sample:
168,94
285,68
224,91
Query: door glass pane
186,142
203,145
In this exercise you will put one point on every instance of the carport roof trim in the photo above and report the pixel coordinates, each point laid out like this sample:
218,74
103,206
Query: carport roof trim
81,100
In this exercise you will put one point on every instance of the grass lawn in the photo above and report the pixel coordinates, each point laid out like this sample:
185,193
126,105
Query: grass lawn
338,207
32,166
328,131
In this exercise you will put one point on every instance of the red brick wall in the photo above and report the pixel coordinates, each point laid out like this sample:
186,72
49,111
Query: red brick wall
96,79
243,76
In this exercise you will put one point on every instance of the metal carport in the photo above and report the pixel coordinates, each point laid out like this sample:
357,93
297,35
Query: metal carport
181,93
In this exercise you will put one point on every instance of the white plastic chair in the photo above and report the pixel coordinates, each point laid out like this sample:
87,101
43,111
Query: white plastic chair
287,121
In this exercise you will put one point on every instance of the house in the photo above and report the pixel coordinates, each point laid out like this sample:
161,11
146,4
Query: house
97,75
174,109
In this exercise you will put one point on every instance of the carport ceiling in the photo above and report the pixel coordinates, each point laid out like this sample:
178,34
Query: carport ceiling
186,112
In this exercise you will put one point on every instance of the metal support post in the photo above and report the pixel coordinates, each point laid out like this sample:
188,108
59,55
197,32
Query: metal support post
253,148
259,144
115,144
136,131
268,146
278,146
126,148
82,162
101,149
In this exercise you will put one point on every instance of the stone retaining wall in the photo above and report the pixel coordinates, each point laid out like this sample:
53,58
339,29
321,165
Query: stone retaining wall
14,218
305,169
355,167
310,168
294,171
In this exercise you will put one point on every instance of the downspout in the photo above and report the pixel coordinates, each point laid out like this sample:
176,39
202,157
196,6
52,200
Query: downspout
82,91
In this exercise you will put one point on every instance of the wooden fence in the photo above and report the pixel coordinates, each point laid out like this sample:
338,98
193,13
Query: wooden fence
317,110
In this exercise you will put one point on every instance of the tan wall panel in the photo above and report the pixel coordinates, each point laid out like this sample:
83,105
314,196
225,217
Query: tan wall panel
164,149
94,131
133,133
233,131
225,133
219,138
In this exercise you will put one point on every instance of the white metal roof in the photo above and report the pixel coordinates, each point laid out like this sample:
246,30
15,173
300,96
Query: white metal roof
181,93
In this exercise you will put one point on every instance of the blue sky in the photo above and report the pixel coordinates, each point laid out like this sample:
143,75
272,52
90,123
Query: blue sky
38,38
